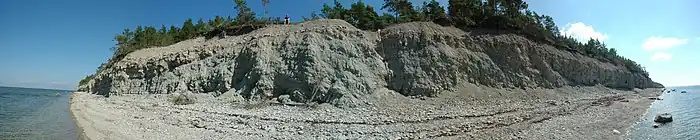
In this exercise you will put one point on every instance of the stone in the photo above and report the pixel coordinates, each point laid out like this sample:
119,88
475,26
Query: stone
284,99
663,118
615,131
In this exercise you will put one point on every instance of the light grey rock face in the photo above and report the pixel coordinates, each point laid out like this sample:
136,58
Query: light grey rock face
426,59
331,61
325,60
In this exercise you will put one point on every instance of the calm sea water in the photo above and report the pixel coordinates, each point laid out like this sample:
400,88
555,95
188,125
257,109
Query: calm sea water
35,114
685,109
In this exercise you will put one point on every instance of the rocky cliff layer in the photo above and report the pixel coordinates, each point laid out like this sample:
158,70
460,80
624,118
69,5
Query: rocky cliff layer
331,61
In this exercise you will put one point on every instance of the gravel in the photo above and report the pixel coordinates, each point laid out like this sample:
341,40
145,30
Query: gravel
474,112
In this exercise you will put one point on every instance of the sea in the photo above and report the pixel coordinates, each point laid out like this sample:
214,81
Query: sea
683,107
35,114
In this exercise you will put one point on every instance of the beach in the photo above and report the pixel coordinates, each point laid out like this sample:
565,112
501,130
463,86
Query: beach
471,112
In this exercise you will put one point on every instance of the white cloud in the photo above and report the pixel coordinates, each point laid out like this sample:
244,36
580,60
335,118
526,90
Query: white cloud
662,43
582,32
660,56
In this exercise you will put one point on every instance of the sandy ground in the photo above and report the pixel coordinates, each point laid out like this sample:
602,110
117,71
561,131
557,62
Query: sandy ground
471,112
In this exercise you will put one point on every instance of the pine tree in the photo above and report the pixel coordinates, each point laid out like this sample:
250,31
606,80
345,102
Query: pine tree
432,11
188,30
244,14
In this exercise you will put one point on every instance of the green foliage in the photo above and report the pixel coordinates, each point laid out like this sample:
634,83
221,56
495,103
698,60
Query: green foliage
244,14
432,11
85,80
403,9
465,12
313,16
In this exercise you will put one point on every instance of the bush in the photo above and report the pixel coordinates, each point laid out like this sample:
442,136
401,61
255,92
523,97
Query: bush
181,99
85,80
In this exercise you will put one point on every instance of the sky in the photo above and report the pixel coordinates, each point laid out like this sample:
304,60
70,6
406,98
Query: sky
53,44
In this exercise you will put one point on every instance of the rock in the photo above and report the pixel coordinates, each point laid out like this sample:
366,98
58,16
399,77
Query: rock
338,65
663,118
655,98
656,125
683,91
284,99
615,131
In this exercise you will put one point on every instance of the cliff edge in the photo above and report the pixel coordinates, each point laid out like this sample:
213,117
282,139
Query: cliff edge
330,61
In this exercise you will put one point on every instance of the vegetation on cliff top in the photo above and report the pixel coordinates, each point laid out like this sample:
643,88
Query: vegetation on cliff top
504,16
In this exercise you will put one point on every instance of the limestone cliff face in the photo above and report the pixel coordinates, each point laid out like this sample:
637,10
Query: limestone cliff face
427,59
331,61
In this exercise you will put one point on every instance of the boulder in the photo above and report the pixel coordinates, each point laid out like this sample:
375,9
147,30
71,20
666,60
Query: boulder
663,118
284,99
683,92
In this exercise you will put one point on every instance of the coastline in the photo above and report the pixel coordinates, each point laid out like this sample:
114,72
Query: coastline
80,130
563,113
646,112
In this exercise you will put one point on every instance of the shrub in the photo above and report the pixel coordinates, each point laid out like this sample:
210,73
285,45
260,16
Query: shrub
181,99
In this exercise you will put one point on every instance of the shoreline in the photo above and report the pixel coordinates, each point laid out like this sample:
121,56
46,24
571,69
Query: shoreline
569,112
641,118
80,130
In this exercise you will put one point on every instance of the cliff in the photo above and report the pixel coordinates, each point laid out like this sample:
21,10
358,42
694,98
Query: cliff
331,61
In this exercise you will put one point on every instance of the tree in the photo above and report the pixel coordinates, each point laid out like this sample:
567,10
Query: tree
512,8
362,16
265,4
432,11
403,9
312,16
465,12
336,12
244,14
165,39
217,23
123,40
384,21
200,26
188,30
549,25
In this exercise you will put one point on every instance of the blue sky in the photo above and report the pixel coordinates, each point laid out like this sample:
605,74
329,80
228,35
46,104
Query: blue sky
54,44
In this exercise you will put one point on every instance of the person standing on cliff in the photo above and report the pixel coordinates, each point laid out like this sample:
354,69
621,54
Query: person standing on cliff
286,19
